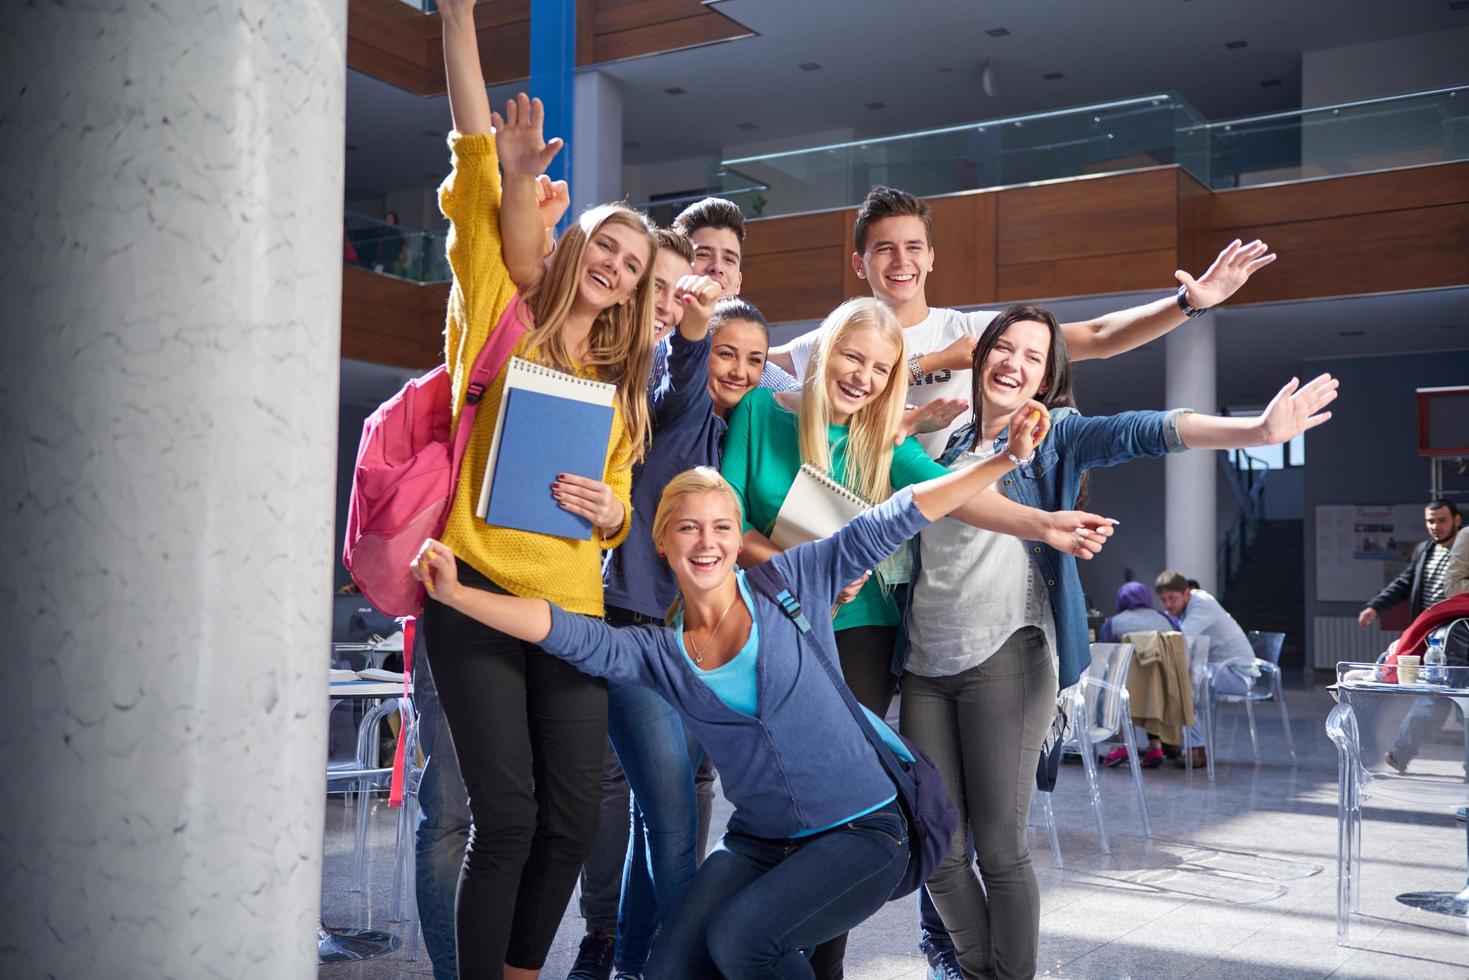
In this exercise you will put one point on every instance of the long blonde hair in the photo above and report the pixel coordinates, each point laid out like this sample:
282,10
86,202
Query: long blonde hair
871,430
700,479
620,347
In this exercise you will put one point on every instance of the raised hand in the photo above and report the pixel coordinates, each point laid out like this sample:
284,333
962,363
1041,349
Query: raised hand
523,151
449,9
1077,532
933,417
1231,270
958,356
698,294
1296,408
591,499
434,567
850,592
1028,426
553,198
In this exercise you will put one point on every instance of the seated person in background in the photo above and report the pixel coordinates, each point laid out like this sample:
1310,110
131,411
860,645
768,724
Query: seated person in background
1200,614
1135,614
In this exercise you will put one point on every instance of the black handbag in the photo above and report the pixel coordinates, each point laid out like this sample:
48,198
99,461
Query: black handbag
932,818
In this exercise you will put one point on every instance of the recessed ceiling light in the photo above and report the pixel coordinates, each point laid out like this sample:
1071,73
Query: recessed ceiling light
876,105
351,148
1052,76
1450,326
1459,5
997,32
432,134
1236,45
675,90
945,71
631,145
1270,83
809,66
746,126
1351,333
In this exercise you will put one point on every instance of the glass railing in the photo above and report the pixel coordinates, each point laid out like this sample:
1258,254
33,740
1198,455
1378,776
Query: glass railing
1354,137
394,250
1123,135
1376,134
735,186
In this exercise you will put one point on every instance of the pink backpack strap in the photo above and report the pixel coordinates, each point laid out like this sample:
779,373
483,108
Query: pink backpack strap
491,359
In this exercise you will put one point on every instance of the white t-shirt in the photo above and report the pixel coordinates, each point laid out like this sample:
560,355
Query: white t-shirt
935,332
976,588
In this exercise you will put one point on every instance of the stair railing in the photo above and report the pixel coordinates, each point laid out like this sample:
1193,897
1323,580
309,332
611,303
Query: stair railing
1246,477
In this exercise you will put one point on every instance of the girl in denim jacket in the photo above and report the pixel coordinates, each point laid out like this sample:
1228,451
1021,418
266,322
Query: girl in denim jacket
996,621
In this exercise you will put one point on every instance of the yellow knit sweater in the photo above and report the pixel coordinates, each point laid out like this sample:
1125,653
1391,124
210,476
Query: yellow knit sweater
564,571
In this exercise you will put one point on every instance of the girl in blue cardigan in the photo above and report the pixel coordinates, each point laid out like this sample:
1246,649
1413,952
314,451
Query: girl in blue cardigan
817,840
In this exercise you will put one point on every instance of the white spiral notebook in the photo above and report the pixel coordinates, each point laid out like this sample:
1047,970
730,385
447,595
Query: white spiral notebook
816,507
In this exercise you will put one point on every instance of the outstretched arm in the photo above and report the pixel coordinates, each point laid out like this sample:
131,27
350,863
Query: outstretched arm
468,104
1125,330
1293,410
524,619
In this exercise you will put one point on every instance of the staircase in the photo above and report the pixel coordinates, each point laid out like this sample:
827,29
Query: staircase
1268,592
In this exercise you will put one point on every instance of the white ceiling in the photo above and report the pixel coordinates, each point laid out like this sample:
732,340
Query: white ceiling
922,59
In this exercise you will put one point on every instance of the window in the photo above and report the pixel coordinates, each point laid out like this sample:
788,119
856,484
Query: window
1288,454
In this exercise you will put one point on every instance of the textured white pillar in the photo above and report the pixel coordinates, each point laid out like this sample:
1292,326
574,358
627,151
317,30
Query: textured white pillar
172,199
1191,543
596,165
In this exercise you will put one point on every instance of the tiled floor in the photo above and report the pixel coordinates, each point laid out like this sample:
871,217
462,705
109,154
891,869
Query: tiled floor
1238,881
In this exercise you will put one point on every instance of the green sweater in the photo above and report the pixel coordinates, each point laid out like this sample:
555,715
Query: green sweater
762,455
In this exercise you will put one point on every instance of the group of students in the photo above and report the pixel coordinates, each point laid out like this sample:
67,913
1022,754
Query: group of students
539,658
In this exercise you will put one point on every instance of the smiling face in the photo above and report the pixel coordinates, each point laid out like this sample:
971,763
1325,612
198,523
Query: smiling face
897,260
717,255
611,266
859,369
1015,367
668,268
736,361
702,540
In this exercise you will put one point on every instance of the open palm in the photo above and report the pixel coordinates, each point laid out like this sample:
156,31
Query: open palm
1296,408
518,140
1231,270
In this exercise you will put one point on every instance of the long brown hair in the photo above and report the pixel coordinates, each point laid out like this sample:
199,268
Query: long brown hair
872,428
620,347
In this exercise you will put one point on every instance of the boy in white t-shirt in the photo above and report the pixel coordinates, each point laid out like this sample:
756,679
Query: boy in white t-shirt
894,237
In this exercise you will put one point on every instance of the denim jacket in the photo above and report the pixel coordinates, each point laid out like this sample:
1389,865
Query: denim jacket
1050,481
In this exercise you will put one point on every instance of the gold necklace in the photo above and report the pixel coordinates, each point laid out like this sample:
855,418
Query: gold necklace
699,651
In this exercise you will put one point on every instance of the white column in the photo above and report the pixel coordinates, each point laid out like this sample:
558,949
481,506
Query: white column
596,164
1191,543
168,404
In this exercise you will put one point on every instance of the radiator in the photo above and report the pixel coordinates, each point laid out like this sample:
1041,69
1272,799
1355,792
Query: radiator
1335,638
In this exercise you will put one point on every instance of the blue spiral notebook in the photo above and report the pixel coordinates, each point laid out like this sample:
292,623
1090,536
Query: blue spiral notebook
549,423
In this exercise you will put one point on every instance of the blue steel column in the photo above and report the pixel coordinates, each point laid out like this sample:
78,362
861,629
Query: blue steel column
553,77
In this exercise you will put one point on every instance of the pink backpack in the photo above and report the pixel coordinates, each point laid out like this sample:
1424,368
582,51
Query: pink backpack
407,472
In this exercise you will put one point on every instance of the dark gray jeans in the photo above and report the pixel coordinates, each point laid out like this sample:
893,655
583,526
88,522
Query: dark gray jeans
983,729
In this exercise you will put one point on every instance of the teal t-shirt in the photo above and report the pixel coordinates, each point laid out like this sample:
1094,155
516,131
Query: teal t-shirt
762,455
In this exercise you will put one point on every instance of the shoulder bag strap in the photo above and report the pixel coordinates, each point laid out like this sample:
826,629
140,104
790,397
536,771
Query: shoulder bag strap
492,357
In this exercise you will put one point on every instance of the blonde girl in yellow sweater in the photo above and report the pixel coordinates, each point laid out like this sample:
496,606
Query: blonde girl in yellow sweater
529,730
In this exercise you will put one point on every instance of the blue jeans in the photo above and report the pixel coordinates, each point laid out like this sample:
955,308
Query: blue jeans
443,824
755,904
659,763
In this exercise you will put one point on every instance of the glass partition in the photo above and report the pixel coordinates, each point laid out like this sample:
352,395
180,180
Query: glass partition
1374,134
394,250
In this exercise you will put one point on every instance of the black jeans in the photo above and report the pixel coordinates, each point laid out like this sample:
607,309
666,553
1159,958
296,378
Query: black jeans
866,654
530,733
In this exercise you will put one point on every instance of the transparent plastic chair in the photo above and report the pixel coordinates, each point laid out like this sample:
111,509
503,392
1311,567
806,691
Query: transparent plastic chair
1100,709
1255,680
1197,648
1389,747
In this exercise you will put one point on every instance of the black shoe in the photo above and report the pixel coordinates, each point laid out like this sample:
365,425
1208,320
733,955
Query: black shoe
594,959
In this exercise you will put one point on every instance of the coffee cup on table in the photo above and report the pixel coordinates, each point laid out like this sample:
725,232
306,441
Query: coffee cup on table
1408,667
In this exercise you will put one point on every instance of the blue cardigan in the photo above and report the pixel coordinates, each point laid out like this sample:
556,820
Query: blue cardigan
1075,444
800,763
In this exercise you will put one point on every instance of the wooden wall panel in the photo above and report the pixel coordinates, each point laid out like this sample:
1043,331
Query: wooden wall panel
389,321
1333,197
1194,204
1136,212
1381,251
792,266
964,243
390,41
1088,276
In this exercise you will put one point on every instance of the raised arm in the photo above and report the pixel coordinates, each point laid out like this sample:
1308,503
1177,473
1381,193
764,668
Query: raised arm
1293,410
524,157
468,104
1125,330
